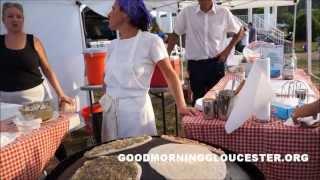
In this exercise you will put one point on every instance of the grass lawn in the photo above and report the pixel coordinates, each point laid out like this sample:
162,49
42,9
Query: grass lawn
302,60
299,47
303,64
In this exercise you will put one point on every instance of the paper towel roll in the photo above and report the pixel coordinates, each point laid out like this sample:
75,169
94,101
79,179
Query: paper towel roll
254,98
262,105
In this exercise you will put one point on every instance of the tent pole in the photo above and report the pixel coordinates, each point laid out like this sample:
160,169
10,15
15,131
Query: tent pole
180,45
81,8
309,35
181,58
1,18
294,27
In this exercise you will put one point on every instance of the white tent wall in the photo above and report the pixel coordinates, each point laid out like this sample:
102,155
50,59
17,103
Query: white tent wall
103,7
57,24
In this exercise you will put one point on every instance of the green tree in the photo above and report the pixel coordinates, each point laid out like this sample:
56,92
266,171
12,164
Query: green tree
315,4
301,25
316,14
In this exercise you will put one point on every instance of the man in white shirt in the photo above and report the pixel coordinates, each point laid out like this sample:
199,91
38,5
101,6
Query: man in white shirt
205,26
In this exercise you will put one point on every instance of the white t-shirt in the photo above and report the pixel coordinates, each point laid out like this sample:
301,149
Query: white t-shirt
131,79
205,32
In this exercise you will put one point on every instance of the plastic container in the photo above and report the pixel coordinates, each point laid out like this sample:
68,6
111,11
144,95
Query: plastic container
158,79
275,73
95,65
282,111
85,113
289,67
288,72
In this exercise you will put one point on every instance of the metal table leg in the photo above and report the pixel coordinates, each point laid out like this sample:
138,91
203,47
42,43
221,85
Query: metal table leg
91,102
163,113
95,118
176,113
94,140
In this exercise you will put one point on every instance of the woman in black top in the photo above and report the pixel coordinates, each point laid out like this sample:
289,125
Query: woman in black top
21,55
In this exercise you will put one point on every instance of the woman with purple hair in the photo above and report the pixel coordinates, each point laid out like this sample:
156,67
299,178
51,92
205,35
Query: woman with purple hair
131,61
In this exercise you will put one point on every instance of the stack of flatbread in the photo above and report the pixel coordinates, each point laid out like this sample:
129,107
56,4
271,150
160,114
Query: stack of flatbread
117,146
101,164
108,167
103,167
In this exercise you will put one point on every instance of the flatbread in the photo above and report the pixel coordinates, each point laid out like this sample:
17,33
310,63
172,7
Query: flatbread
214,170
117,146
108,167
181,140
177,139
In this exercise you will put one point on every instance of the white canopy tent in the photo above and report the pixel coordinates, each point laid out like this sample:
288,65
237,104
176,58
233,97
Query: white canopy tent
172,5
58,24
245,4
104,6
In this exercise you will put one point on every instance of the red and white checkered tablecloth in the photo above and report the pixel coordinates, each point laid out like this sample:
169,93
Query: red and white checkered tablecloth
263,138
27,156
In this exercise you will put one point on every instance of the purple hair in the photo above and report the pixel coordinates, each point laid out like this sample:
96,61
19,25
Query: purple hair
137,12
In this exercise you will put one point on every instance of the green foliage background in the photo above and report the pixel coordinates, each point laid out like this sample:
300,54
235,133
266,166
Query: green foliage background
285,15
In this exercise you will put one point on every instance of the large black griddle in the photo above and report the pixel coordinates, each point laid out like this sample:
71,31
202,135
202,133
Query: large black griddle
68,167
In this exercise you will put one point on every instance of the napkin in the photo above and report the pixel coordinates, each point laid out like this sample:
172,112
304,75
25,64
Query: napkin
305,122
7,138
26,126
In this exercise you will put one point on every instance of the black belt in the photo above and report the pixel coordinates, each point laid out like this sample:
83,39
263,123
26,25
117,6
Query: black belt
215,59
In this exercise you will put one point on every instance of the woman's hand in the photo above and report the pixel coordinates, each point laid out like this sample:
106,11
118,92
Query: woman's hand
306,110
67,104
188,111
65,99
295,118
297,114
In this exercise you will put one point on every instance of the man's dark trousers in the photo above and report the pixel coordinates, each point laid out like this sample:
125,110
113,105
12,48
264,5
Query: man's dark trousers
204,74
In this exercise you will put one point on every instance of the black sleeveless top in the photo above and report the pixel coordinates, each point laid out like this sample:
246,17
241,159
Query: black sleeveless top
19,69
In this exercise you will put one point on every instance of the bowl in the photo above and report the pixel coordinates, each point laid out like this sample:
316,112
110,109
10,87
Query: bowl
35,110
